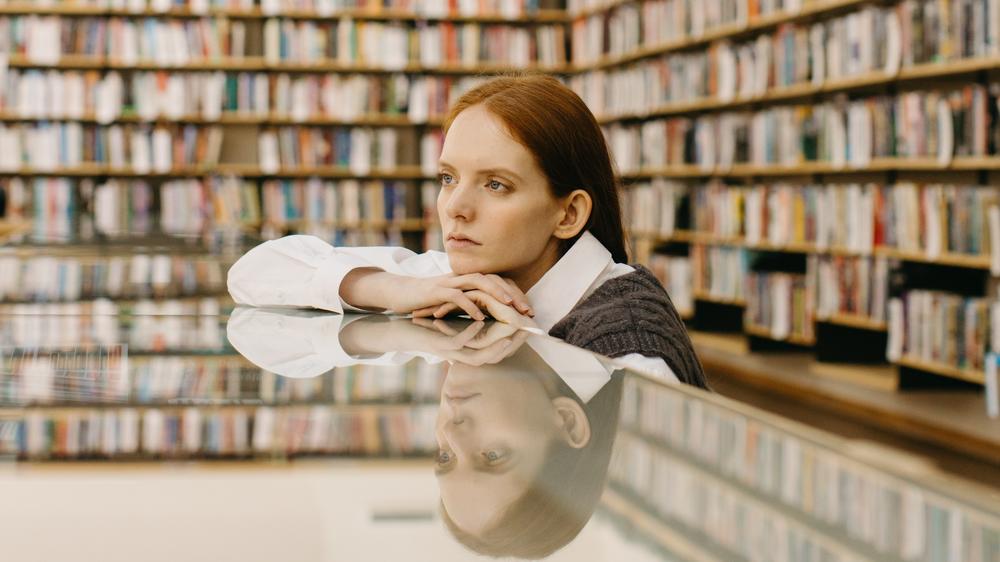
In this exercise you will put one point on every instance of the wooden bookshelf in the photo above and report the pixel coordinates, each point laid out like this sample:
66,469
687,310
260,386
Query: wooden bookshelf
951,69
810,11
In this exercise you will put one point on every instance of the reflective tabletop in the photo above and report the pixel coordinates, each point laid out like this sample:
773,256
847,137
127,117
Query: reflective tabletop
189,430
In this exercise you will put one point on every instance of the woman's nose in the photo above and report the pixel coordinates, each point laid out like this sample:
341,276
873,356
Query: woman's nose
459,202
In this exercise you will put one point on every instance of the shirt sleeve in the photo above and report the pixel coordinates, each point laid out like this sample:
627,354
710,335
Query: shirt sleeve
305,272
655,366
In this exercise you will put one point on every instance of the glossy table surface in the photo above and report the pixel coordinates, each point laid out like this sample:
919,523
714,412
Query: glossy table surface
184,430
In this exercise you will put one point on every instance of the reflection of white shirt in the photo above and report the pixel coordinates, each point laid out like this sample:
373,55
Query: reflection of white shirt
304,271
303,344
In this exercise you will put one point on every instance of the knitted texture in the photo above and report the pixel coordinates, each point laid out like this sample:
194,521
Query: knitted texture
632,313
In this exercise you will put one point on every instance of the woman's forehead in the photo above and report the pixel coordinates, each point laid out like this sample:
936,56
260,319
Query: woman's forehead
478,139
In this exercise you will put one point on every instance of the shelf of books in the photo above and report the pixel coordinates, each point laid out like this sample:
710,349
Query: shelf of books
736,485
810,173
185,118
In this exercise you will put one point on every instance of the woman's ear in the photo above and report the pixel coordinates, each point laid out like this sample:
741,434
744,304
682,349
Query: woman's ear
576,209
574,426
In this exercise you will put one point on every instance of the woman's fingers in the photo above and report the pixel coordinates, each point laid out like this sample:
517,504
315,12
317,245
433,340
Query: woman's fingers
444,310
501,290
497,309
462,300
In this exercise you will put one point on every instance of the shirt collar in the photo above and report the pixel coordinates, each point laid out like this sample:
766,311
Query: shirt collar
566,282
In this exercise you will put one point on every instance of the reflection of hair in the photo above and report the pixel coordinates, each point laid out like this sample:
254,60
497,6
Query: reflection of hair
565,492
554,124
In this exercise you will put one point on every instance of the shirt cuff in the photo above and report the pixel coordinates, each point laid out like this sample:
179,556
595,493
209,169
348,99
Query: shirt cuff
329,275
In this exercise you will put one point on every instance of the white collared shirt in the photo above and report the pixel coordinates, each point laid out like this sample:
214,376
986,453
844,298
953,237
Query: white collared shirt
306,272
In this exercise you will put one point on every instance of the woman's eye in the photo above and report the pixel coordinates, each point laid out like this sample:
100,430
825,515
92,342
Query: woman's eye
493,456
494,185
445,179
443,458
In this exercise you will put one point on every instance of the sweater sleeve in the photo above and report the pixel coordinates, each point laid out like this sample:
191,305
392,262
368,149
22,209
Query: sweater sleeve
306,272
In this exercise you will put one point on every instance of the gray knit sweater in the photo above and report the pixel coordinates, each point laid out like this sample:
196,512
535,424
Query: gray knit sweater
632,313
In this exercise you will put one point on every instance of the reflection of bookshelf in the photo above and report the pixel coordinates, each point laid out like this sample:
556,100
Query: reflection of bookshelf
810,94
677,453
246,90
177,406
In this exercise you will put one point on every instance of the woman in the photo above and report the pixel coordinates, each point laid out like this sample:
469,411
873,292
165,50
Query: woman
530,211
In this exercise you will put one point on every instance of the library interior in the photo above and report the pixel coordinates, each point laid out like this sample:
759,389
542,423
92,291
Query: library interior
189,188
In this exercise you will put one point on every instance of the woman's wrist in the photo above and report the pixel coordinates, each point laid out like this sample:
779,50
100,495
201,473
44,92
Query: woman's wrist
365,288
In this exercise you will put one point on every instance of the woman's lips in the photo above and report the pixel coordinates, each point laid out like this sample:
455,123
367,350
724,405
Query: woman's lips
459,242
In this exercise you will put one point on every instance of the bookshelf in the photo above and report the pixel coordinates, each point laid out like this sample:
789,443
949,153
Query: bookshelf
729,122
241,92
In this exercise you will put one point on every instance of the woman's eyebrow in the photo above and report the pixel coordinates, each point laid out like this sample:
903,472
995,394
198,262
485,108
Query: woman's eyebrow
500,171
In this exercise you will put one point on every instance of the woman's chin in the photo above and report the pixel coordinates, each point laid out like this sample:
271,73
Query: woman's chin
463,265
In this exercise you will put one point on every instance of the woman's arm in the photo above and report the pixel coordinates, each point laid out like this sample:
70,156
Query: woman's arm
304,271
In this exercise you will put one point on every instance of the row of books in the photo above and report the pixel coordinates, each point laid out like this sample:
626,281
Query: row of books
720,272
853,286
107,96
49,146
50,278
190,432
782,304
890,515
654,207
343,203
871,38
96,375
677,277
359,149
937,125
172,325
928,219
45,40
395,45
629,26
942,327
322,8
63,209
844,285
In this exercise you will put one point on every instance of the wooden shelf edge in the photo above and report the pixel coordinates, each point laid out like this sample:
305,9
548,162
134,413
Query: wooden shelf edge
707,239
968,375
707,297
855,321
765,333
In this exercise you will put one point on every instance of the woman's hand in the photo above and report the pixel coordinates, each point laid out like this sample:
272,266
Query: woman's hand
438,296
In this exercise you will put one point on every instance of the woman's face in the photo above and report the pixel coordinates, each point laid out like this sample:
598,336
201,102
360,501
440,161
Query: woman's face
494,429
496,210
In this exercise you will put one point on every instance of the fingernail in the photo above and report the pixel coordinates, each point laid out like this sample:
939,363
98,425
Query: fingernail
507,298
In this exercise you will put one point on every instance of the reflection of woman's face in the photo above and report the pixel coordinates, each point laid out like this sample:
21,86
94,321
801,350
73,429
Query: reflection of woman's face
494,427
